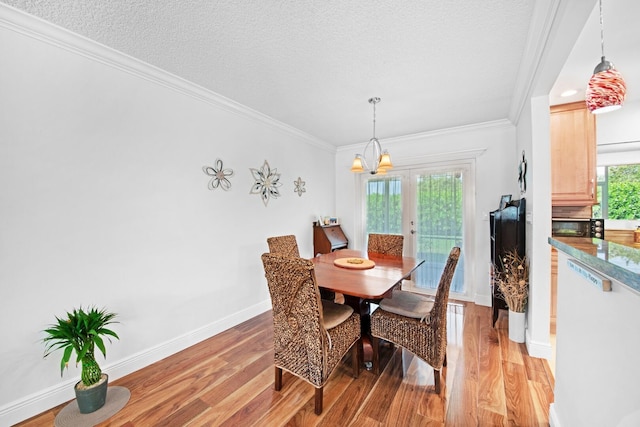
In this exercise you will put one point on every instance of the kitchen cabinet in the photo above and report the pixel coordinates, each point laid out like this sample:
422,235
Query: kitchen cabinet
573,155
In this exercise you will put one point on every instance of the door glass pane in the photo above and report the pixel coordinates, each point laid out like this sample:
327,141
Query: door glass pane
384,205
439,226
434,214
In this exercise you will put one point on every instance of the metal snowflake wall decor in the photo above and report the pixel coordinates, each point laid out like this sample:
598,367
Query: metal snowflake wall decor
299,186
219,176
266,184
522,174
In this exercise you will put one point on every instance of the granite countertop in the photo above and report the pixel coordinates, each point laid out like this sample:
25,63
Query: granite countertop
618,261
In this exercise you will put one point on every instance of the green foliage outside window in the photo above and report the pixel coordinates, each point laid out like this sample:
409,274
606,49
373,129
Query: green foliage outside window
441,197
384,206
624,200
622,173
439,218
623,192
438,226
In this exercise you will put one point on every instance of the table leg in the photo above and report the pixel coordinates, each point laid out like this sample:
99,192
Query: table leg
362,307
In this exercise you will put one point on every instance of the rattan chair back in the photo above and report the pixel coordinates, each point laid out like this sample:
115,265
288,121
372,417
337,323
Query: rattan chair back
284,245
390,245
297,311
425,337
438,315
301,343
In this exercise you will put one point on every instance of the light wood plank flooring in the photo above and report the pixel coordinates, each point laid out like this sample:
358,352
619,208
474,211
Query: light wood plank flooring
228,380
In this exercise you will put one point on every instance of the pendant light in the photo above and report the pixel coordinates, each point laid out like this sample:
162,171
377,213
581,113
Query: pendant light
606,90
380,160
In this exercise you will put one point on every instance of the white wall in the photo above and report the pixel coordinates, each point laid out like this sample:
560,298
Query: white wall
619,126
492,145
618,136
597,366
104,202
560,29
534,126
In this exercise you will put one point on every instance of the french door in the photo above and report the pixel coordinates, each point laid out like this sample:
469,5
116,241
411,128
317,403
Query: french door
433,208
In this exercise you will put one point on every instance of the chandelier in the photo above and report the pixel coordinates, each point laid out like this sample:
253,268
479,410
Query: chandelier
379,160
606,90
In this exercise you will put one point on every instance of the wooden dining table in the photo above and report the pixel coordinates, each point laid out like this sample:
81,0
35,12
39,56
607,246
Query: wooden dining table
361,286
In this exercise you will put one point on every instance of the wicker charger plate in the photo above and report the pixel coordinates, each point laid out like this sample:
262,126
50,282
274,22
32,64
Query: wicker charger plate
355,263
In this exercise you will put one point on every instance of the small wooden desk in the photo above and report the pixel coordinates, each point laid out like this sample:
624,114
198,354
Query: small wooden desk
359,287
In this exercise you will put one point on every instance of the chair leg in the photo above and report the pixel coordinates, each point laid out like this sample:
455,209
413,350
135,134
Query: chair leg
355,359
318,409
278,379
436,375
375,343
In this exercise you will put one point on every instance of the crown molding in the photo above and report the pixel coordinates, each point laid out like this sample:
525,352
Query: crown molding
31,26
495,124
544,15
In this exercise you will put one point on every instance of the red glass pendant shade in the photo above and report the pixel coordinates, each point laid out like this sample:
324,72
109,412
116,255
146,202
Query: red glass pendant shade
606,91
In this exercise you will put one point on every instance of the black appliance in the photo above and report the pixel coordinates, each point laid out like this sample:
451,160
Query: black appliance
577,227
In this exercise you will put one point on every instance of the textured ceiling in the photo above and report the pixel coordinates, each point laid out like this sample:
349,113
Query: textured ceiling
313,64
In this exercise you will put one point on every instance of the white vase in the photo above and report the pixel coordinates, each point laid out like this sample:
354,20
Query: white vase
516,326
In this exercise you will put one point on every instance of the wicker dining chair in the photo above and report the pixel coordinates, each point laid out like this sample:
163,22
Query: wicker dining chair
416,322
288,246
310,337
386,244
284,245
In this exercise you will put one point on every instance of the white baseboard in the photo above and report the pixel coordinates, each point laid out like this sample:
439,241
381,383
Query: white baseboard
37,403
553,417
542,350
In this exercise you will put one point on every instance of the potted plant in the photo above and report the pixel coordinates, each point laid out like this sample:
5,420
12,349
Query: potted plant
512,278
80,331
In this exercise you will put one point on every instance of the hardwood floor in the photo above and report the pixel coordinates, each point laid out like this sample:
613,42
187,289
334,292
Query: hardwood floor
228,380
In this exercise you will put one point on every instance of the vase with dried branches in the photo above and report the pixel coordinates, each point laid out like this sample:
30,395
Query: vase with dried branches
512,279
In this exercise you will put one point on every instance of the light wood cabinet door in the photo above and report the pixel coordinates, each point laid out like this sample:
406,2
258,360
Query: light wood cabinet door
573,155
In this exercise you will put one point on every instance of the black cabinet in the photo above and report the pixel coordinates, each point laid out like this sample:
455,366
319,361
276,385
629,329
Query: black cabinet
507,227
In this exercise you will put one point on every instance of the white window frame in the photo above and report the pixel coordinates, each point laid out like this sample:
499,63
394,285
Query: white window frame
465,159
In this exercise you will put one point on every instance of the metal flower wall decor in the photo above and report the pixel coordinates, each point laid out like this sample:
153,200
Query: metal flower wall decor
266,183
299,186
522,174
219,176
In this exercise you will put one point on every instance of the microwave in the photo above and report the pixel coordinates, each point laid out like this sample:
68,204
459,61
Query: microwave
577,227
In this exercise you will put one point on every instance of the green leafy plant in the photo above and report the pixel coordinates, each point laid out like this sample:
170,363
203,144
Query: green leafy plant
81,331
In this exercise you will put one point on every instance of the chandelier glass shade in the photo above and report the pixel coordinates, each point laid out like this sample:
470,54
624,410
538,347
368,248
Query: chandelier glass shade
379,161
606,90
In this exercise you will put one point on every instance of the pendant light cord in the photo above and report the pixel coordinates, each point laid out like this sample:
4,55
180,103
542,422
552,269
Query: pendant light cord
373,101
601,31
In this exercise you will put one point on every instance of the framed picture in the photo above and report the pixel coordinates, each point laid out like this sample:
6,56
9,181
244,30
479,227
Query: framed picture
506,198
